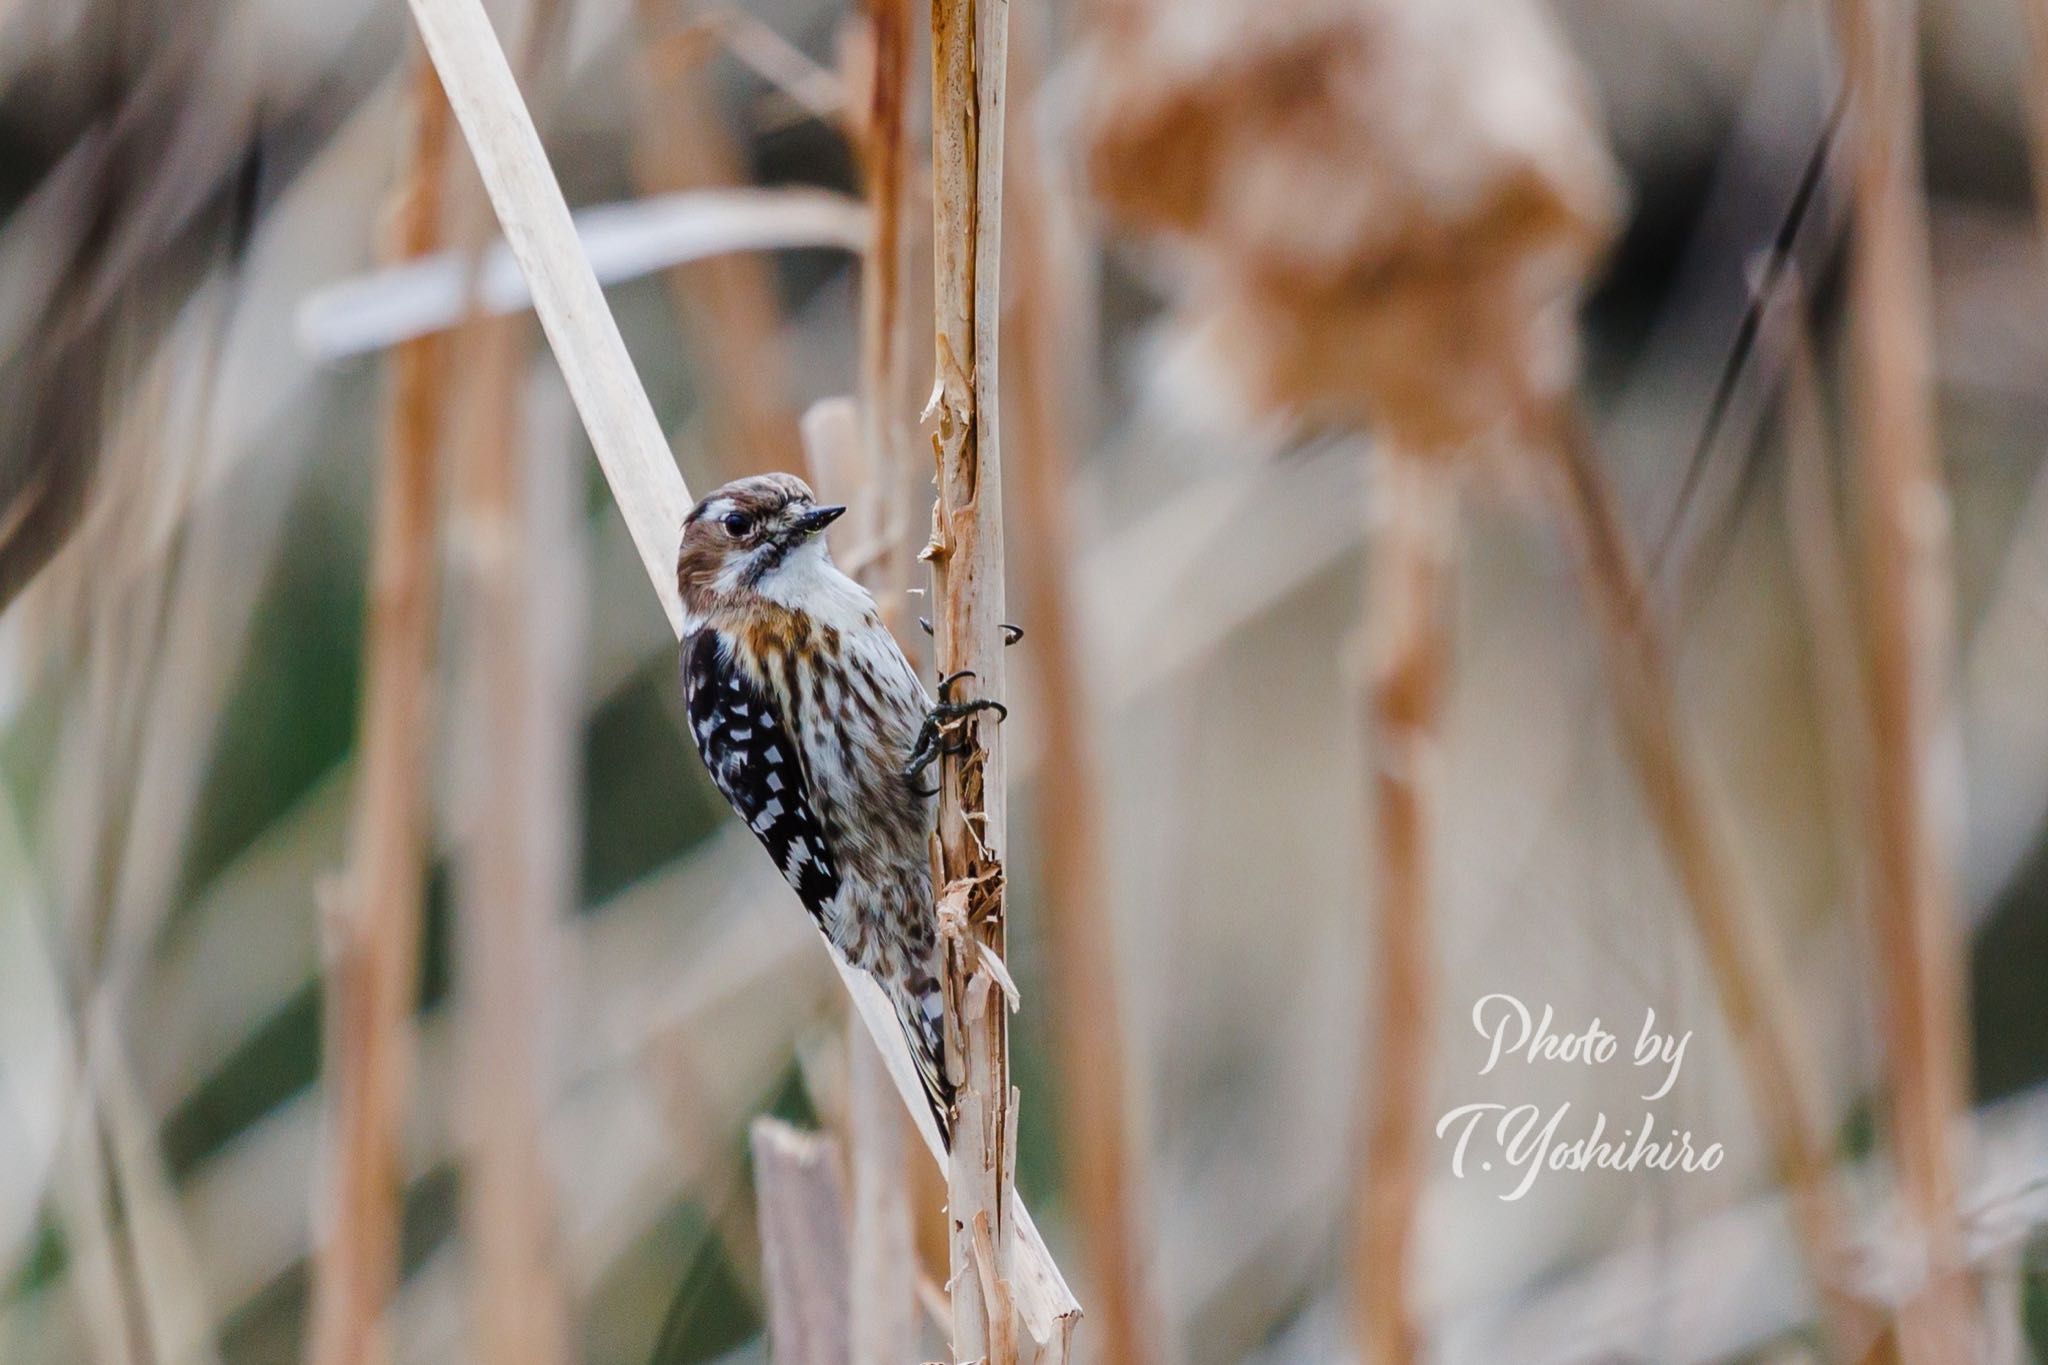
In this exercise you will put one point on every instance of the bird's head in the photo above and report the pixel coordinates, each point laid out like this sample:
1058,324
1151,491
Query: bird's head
755,538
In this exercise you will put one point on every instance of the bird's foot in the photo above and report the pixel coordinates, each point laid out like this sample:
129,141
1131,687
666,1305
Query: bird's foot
937,727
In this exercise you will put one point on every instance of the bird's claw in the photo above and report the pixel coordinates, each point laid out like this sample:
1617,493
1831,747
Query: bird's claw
931,736
1011,634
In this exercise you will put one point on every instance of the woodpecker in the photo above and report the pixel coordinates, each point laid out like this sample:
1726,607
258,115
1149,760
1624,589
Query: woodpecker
815,726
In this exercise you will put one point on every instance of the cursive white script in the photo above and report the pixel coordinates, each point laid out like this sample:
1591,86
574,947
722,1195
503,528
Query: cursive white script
1523,1138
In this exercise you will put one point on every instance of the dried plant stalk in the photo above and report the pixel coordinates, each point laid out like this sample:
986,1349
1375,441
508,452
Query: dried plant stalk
1755,996
966,557
883,317
375,927
882,1265
1906,596
727,304
513,870
882,1326
1413,538
1821,573
1086,1015
803,1243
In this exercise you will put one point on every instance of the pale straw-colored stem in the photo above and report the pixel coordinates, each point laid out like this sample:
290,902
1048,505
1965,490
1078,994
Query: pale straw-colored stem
881,1263
966,556
803,1243
1907,596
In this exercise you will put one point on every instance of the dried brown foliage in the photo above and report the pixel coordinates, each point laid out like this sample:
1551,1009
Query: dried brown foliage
1390,207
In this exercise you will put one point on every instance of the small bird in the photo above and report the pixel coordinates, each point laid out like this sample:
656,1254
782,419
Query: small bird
815,726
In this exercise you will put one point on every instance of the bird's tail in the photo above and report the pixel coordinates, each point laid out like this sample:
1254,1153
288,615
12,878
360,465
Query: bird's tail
920,1007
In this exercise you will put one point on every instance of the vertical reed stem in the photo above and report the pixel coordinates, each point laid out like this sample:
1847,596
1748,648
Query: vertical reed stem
375,928
966,555
514,871
882,314
1087,1018
1756,999
881,1261
726,305
1414,520
1903,515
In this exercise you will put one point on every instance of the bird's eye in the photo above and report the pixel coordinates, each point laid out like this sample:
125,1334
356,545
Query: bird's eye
736,523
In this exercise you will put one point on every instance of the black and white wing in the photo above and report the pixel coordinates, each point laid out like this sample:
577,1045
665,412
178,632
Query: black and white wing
754,762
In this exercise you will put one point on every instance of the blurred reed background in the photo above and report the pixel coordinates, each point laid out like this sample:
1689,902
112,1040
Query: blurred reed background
1394,637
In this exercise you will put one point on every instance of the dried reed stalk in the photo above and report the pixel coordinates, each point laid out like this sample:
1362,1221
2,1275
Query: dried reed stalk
1906,599
726,305
803,1243
1413,540
882,1324
375,925
884,343
513,863
1086,1016
623,241
650,494
882,1265
1821,573
969,38
1756,998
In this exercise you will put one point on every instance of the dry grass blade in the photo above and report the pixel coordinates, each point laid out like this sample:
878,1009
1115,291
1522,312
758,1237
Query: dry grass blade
803,1243
622,241
375,936
1907,595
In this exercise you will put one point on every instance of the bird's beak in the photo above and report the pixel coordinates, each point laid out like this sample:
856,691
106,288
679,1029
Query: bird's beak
818,518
